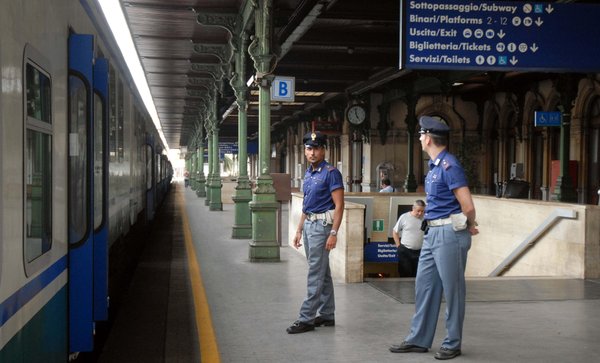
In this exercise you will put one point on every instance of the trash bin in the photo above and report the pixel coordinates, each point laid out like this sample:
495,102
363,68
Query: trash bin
516,189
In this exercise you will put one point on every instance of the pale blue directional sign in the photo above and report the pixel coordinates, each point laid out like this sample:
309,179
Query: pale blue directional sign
499,35
547,118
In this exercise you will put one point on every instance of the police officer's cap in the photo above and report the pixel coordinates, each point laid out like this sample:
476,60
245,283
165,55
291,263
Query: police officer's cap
430,125
315,139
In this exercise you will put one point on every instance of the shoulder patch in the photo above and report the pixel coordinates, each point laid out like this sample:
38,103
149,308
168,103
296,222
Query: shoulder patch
446,164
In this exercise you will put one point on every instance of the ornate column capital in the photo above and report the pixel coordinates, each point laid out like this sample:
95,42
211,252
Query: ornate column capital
201,82
221,51
226,21
197,93
214,69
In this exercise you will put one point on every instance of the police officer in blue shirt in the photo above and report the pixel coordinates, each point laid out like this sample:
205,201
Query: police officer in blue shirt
450,223
322,208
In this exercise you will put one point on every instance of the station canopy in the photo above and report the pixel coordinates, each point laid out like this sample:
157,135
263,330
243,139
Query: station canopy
336,50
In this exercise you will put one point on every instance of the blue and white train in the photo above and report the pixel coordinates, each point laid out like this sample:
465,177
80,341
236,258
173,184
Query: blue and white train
81,162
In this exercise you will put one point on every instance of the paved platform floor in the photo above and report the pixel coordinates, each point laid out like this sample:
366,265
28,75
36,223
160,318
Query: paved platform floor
502,289
507,320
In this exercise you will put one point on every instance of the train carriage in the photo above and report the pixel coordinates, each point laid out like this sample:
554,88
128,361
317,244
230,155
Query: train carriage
81,162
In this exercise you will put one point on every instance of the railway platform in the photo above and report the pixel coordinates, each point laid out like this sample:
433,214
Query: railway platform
211,304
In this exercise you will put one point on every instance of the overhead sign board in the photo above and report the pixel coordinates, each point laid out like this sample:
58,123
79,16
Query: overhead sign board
231,147
553,118
225,147
499,35
282,89
228,147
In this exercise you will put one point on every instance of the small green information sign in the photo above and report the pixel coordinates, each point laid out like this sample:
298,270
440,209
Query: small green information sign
377,225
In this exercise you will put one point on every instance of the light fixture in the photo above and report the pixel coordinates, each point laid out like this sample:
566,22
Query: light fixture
118,25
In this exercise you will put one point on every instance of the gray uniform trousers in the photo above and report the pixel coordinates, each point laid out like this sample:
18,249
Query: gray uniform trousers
441,270
319,297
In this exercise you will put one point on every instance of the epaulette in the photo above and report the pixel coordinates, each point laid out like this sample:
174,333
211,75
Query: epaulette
330,168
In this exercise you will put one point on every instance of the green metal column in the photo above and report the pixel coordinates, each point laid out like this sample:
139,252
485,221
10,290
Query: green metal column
242,227
192,171
201,187
215,184
564,190
188,160
410,185
209,177
264,245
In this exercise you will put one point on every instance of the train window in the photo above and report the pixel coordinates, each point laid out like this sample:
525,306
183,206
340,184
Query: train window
98,158
38,94
149,174
158,172
120,111
139,134
78,148
113,115
116,148
38,163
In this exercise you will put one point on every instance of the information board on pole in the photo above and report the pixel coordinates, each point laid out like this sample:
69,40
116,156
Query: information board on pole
499,35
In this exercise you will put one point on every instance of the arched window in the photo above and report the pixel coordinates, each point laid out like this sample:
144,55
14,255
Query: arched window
593,178
510,151
493,155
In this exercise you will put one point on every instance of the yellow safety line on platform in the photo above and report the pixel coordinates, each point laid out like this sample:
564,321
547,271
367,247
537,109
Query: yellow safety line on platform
209,349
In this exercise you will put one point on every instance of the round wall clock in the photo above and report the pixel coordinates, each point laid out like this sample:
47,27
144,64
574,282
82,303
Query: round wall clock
356,114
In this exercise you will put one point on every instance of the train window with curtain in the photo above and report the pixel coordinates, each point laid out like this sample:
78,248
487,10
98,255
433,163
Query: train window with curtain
37,162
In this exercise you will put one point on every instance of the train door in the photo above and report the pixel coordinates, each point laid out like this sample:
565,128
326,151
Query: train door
100,196
80,184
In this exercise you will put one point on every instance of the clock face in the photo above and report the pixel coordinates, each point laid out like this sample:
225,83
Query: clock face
356,114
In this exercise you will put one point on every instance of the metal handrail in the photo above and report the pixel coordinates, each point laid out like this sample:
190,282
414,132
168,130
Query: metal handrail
532,238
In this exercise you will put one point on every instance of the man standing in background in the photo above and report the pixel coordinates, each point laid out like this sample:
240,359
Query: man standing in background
408,237
386,186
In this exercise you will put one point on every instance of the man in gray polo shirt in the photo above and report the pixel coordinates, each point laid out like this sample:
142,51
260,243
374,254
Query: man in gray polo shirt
408,237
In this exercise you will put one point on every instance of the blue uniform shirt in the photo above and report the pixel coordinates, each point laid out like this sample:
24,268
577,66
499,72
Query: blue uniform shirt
318,185
445,174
